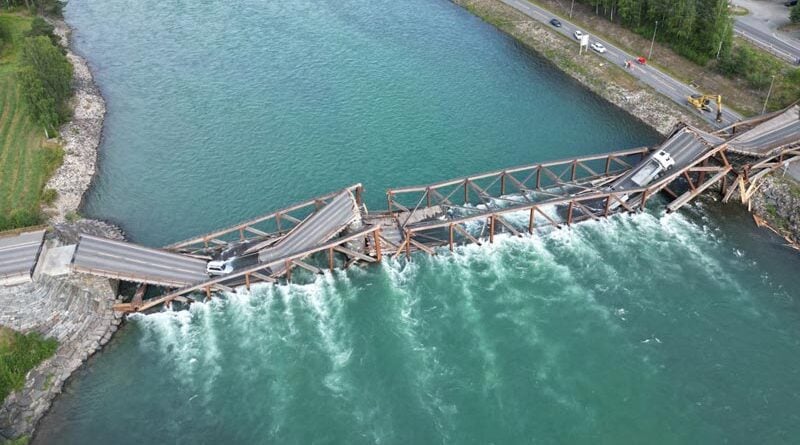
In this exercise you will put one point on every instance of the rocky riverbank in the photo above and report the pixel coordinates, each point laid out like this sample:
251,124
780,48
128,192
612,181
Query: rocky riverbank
606,80
777,202
81,136
76,310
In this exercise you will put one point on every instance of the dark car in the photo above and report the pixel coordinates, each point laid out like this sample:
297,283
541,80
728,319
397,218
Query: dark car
555,23
791,3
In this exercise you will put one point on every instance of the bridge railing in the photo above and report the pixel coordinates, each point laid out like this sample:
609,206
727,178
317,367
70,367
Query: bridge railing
275,224
470,191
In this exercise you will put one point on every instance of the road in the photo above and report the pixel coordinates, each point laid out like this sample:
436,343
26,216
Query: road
18,255
761,26
653,77
787,49
117,259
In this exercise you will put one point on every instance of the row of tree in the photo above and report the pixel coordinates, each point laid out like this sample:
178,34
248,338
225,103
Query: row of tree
49,7
697,29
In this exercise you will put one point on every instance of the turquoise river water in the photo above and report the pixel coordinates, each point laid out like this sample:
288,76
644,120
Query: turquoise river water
651,328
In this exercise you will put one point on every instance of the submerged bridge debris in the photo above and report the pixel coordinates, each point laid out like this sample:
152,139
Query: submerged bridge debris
337,230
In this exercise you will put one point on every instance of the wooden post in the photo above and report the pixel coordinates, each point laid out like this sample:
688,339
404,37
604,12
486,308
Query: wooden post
208,293
408,244
247,281
539,177
608,165
502,183
376,235
358,195
389,201
428,196
241,234
330,258
278,221
491,228
530,221
289,271
608,205
466,191
574,169
645,195
723,186
451,237
569,213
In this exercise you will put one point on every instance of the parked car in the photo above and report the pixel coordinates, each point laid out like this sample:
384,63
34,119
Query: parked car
578,34
556,23
597,46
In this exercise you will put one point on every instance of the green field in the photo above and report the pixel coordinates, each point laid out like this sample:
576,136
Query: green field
27,159
19,354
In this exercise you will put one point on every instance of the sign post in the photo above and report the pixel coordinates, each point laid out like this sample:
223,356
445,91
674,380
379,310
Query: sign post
584,43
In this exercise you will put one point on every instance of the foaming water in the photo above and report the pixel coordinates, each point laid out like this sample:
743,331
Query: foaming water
638,327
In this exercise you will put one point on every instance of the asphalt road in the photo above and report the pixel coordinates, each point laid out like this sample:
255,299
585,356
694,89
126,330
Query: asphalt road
18,253
118,259
783,48
658,80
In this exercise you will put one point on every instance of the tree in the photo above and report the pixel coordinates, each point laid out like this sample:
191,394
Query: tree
40,27
794,15
45,78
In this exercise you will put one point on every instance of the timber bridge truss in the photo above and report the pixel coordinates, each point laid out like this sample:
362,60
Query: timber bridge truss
337,230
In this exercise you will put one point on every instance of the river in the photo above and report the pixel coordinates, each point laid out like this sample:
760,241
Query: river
654,328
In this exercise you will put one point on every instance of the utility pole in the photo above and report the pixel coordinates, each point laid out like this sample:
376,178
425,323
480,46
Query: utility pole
721,40
764,110
571,8
650,54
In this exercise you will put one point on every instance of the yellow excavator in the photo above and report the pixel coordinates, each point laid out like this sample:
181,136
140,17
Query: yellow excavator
702,102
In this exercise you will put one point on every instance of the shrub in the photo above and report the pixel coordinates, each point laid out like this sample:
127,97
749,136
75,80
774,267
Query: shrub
45,77
40,27
794,15
19,353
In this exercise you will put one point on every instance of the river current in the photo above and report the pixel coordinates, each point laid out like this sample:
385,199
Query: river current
649,328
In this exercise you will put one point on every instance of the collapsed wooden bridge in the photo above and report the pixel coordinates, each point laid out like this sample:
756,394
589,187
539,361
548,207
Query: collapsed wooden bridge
337,230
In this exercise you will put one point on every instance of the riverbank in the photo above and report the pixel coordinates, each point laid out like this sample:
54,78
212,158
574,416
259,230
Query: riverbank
76,310
777,203
610,82
81,136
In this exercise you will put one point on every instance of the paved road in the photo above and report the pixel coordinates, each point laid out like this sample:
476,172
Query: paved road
658,80
787,49
117,259
18,255
761,26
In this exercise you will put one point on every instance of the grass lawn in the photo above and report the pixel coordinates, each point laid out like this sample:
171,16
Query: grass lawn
19,354
27,159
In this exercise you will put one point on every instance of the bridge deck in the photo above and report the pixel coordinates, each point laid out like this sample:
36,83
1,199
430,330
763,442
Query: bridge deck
317,228
765,138
131,262
18,255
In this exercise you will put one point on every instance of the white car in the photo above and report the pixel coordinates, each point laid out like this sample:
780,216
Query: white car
578,34
217,268
597,46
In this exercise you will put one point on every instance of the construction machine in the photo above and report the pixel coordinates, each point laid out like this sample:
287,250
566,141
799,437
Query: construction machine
702,102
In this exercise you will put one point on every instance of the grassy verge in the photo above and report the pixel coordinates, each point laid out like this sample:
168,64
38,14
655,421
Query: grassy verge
19,353
27,159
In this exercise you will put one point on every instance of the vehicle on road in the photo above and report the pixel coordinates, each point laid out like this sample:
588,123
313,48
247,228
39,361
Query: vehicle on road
217,268
597,46
641,60
555,22
578,34
659,163
703,101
